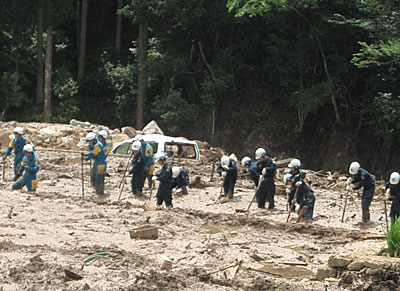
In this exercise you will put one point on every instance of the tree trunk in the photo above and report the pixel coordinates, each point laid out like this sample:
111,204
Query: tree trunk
143,38
78,22
47,80
39,59
119,29
82,42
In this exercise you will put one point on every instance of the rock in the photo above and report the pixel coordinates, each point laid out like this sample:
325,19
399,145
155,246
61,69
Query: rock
4,140
78,123
56,130
129,131
152,127
338,262
163,262
355,266
326,272
144,232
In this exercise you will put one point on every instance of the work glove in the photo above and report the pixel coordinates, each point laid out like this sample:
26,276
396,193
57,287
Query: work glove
264,171
154,178
225,167
224,174
174,190
348,181
298,183
288,190
260,179
349,188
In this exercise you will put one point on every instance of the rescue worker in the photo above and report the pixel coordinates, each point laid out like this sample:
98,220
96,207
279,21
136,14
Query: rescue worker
101,137
17,144
363,179
147,151
165,180
98,154
137,170
304,194
29,165
393,189
264,173
180,179
250,166
227,169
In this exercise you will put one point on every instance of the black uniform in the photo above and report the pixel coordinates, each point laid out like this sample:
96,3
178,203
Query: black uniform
164,188
137,172
254,175
395,198
364,179
181,180
305,195
230,178
266,190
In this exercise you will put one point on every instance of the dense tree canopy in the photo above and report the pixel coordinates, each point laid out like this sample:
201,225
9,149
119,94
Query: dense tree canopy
313,78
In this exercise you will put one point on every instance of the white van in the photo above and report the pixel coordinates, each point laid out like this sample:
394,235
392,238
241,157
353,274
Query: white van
172,147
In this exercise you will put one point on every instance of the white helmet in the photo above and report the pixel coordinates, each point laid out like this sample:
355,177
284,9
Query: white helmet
103,133
90,136
260,152
246,161
175,172
354,167
28,148
160,157
295,163
225,161
136,145
394,178
18,130
286,178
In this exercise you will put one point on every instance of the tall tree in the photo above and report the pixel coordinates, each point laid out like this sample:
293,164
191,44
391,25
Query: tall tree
82,41
47,80
39,57
118,28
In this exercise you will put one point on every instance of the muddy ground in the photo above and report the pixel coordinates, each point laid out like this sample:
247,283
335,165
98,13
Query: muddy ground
44,234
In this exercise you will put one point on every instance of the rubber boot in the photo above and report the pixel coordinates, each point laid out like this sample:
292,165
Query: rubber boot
184,190
365,216
139,193
225,194
230,194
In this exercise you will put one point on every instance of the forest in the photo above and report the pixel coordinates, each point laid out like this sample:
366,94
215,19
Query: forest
313,79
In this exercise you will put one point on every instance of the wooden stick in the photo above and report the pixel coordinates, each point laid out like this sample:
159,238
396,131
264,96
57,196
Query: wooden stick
345,204
293,203
251,202
83,180
212,172
301,213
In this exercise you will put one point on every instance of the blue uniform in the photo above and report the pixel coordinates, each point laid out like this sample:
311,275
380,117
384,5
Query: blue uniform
395,198
98,154
164,187
305,195
266,191
106,147
17,145
363,179
29,166
230,178
147,151
137,172
181,180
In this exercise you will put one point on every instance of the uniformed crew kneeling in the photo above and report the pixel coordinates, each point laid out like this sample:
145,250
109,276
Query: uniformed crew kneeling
300,192
180,179
29,165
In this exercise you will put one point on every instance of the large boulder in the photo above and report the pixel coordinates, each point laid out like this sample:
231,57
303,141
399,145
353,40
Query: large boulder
152,127
129,131
4,140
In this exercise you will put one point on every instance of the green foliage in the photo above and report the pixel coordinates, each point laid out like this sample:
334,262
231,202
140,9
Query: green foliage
175,111
65,89
11,92
311,99
384,53
393,238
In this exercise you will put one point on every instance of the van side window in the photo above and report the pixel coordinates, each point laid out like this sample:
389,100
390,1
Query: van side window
177,150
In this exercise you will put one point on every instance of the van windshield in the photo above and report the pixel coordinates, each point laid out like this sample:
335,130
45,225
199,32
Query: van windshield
180,150
126,148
